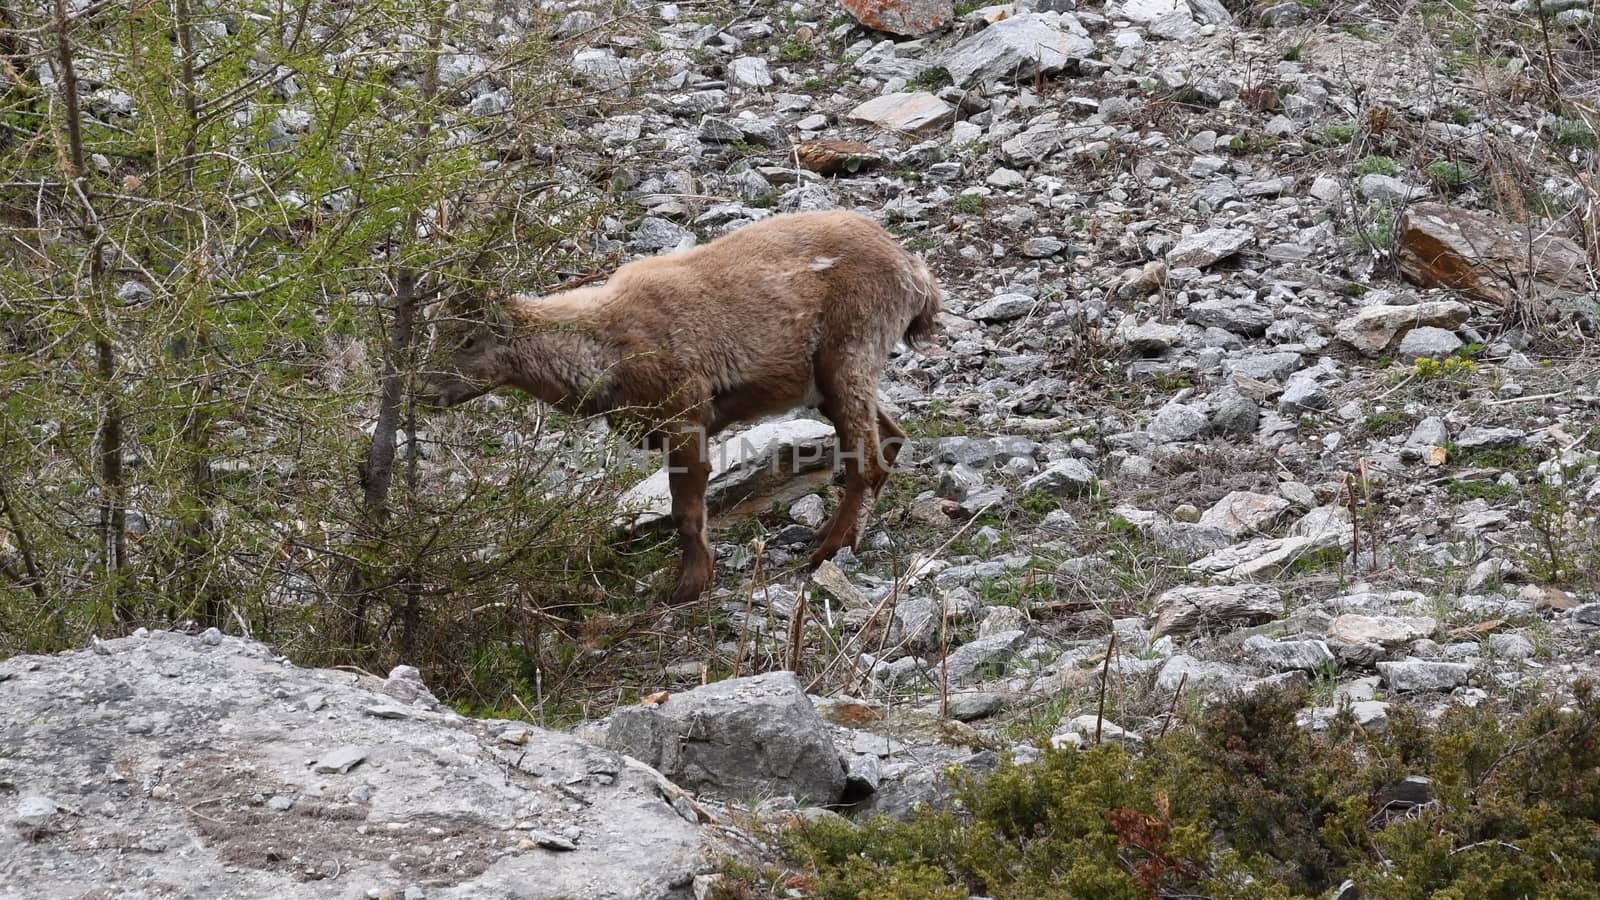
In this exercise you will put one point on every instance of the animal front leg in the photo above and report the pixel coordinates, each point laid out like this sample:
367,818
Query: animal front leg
688,469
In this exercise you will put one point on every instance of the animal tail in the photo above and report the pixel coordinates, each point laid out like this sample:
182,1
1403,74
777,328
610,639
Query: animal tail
926,286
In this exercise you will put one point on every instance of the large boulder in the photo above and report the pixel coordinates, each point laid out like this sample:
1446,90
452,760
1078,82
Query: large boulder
1487,257
741,738
745,465
208,766
1018,48
1373,329
913,112
907,18
1182,610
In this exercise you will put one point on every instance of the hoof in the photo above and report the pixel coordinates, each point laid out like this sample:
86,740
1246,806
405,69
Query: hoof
687,593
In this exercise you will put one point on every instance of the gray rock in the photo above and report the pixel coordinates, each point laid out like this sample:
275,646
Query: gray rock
1287,655
1374,328
1108,731
1421,675
1063,478
1430,342
1385,631
1178,422
1283,15
969,662
1303,393
864,772
1151,338
742,738
1481,438
1002,308
1001,619
809,511
34,812
1240,513
655,234
720,131
340,761
1207,247
1198,676
1430,432
1236,415
749,72
1264,366
1389,188
744,463
1042,247
233,726
1035,143
916,113
968,706
1240,315
1182,610
1018,48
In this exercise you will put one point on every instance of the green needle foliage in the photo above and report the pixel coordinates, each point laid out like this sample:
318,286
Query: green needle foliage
1248,804
226,234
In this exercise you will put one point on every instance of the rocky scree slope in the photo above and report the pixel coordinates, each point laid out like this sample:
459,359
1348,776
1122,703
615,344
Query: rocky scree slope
1248,361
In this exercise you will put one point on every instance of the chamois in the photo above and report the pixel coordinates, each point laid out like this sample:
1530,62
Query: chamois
796,310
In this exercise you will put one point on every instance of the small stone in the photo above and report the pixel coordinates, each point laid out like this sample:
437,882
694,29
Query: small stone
1063,478
1421,675
1005,179
1182,610
1388,188
916,112
554,842
971,661
340,761
1386,631
1178,422
1430,342
1287,655
1480,438
1207,247
1003,308
970,706
1373,328
809,511
1042,247
34,811
1018,48
1241,513
749,72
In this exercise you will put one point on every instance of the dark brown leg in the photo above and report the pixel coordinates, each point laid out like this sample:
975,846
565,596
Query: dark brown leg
853,414
689,467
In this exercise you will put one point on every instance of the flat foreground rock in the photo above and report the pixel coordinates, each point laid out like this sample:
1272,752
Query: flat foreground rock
166,765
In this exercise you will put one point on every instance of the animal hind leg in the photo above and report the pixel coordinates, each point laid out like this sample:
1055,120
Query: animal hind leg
853,414
891,437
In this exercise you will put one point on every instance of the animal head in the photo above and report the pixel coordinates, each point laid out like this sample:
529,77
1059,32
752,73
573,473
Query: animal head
467,360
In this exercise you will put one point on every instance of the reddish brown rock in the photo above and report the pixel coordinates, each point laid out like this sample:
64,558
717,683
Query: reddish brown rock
833,157
1487,257
907,18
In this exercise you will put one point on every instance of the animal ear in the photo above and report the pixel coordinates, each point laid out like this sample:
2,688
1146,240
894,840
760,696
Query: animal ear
494,316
